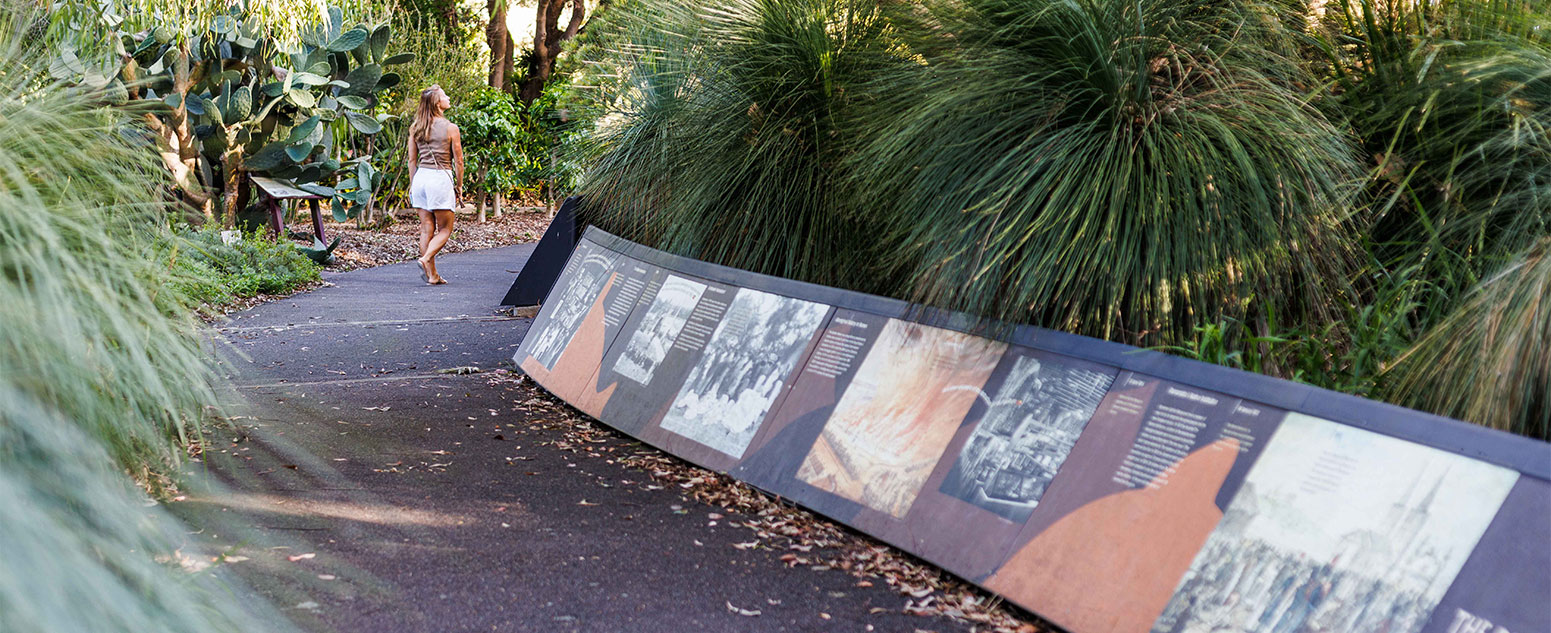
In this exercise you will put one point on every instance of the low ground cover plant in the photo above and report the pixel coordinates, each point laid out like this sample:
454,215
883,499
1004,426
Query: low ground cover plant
214,272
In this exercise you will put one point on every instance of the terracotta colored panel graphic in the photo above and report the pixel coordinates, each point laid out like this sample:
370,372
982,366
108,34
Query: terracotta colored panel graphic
1146,482
1133,545
898,414
574,377
580,282
574,374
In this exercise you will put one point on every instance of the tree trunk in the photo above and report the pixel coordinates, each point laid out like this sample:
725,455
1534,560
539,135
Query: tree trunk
175,142
499,40
547,37
234,189
509,63
450,21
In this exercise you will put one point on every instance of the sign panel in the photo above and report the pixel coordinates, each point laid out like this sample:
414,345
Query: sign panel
1106,492
1140,492
748,363
1339,529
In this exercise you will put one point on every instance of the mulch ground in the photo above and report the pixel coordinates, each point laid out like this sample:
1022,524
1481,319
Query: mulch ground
400,240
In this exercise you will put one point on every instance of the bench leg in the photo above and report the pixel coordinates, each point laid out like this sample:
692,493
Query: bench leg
276,223
317,221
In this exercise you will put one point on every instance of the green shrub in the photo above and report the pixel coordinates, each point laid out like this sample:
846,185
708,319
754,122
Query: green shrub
494,131
214,272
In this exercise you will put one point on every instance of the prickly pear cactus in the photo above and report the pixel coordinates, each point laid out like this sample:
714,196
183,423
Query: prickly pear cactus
251,104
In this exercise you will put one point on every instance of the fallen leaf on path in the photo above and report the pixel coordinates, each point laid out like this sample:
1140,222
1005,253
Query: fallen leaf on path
584,502
743,612
301,557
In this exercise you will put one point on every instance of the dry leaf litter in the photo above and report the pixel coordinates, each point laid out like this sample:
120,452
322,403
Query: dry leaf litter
400,240
808,540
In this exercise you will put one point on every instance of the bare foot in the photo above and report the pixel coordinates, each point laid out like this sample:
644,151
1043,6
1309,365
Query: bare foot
424,276
438,281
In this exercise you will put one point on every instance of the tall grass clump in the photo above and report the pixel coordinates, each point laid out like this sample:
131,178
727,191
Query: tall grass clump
1449,101
1121,169
722,126
100,369
92,329
1489,361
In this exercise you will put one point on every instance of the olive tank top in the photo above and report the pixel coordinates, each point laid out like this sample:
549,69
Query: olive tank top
437,152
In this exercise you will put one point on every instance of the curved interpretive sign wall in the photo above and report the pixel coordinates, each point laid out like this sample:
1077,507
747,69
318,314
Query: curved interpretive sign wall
1106,488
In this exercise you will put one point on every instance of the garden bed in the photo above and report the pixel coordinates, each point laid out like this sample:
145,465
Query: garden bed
399,242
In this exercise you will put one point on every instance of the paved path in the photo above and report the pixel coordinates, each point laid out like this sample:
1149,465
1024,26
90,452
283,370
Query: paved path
431,502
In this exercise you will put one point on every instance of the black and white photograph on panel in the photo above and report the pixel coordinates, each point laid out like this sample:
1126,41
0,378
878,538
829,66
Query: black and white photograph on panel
1338,528
750,357
663,321
1030,424
585,274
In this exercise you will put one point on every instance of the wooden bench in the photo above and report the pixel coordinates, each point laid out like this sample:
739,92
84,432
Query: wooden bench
273,190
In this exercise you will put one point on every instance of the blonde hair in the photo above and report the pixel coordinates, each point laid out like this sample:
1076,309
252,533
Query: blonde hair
430,102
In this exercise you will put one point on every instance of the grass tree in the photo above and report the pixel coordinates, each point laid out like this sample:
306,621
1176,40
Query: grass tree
1127,170
723,128
1451,101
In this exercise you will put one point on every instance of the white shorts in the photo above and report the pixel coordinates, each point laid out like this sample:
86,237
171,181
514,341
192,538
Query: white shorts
432,189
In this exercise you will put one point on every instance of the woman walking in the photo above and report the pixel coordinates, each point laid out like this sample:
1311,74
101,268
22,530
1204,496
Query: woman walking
435,176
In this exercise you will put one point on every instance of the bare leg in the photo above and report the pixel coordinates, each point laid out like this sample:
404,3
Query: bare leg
427,227
444,220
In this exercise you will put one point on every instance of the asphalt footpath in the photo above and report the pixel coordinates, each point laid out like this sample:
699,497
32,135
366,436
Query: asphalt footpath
378,479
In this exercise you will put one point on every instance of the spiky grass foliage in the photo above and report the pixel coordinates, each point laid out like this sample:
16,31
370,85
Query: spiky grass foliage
1449,100
100,371
91,329
1509,174
1489,362
1126,170
723,129
83,552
